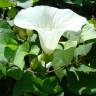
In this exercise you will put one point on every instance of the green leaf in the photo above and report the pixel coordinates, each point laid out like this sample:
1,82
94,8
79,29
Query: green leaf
34,1
15,73
68,44
36,65
6,3
9,54
7,39
12,12
72,36
21,52
2,50
24,3
48,86
93,21
83,68
85,83
83,49
34,50
6,34
28,83
3,69
58,90
4,24
62,58
88,33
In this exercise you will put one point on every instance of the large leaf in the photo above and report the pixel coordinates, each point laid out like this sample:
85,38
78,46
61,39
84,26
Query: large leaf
22,51
6,3
28,83
62,58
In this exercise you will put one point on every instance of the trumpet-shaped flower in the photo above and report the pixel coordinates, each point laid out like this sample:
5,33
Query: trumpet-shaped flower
50,23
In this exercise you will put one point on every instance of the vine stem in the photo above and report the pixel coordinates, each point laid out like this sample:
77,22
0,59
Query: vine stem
29,69
47,72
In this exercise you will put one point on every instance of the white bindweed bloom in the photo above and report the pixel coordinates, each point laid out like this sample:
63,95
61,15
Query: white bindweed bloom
50,23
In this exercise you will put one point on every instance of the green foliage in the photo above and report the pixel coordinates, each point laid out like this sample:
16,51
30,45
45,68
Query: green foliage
24,3
88,32
12,12
21,52
34,50
82,80
6,3
83,49
25,70
14,73
30,83
7,41
2,69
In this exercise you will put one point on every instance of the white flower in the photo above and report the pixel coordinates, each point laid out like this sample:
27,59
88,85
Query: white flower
50,23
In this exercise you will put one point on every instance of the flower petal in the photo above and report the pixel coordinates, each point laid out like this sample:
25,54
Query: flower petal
49,40
68,20
35,17
50,23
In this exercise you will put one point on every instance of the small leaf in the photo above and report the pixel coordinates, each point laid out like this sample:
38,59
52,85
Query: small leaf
34,50
88,33
24,3
72,36
93,21
22,51
83,49
83,68
68,44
